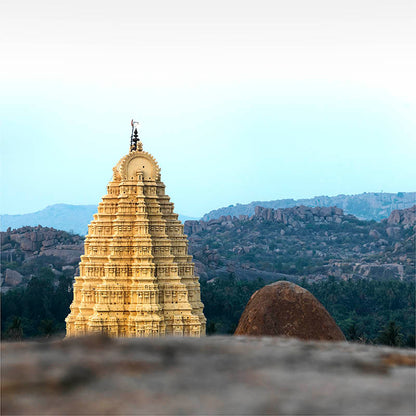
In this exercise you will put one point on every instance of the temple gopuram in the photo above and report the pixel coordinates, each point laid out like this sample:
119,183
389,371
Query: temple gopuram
136,278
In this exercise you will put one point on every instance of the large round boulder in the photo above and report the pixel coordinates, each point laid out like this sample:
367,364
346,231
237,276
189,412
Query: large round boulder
285,309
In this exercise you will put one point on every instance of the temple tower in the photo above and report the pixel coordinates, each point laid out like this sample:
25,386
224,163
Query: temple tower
136,278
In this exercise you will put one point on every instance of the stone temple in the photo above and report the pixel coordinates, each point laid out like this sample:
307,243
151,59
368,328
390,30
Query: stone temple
136,278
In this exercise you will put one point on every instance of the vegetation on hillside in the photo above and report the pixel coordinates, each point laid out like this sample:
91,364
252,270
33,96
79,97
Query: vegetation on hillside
39,309
361,271
26,251
316,247
367,311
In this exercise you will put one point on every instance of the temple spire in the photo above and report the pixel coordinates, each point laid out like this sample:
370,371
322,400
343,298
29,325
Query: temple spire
135,143
136,277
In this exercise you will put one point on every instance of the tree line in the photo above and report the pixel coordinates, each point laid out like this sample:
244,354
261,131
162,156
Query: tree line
368,311
380,312
39,309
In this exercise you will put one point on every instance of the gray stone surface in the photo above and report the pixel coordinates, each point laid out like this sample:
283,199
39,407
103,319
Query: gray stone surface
12,278
209,376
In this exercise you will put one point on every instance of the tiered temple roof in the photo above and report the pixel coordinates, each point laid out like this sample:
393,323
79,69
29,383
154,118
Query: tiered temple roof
136,277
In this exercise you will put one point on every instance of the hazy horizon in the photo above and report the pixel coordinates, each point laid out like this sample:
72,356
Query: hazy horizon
237,102
198,217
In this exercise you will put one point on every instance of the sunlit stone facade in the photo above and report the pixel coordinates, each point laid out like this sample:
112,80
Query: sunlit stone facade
136,278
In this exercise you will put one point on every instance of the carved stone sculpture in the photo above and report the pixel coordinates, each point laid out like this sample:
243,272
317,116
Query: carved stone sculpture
136,278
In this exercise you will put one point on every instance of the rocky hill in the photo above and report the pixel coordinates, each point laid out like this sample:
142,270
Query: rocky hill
290,243
372,263
304,242
403,217
367,206
26,250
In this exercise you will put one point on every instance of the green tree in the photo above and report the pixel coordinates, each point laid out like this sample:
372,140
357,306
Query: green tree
390,335
352,333
47,327
38,296
410,341
15,330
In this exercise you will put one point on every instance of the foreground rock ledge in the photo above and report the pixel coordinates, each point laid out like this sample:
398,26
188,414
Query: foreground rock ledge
212,375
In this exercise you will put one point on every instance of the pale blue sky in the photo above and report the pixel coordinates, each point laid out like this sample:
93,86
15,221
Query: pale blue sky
248,101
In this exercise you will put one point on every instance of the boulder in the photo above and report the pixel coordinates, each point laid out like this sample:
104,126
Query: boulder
393,232
403,217
68,255
68,268
286,309
374,234
12,278
376,271
27,245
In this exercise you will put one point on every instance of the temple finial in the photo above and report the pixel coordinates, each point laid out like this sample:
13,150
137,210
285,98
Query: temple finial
135,143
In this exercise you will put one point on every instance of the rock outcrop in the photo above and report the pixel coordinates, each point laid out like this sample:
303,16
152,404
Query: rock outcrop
12,278
28,249
367,206
286,309
208,376
303,242
405,217
26,242
274,244
298,216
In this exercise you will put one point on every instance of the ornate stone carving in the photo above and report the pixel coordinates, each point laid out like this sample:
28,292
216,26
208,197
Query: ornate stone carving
136,278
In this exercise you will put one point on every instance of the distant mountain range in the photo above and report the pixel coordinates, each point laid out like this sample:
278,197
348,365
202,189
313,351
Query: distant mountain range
75,218
70,218
366,206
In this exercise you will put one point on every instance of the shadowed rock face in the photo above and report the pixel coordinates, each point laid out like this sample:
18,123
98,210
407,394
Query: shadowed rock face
405,217
207,376
286,309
